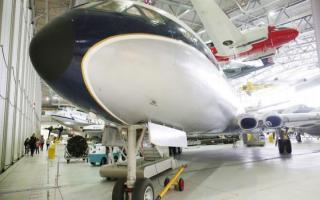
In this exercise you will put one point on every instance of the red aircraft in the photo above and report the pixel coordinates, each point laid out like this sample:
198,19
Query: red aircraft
262,49
229,42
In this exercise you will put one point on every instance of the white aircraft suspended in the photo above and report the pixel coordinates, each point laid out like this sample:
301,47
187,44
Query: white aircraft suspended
75,118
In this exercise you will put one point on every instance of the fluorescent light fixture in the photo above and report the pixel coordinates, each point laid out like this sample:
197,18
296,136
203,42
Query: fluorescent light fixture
271,13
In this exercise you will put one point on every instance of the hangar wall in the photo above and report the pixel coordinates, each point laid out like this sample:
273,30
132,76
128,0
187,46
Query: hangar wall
20,87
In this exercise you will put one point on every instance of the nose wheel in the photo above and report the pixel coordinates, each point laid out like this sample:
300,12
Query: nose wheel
143,190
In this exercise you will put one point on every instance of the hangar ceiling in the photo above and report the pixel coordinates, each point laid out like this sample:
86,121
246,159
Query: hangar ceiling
295,63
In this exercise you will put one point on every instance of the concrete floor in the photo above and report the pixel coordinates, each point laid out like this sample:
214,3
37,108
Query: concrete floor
215,172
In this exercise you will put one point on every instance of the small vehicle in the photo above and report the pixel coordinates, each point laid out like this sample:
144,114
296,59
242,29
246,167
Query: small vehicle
256,139
97,154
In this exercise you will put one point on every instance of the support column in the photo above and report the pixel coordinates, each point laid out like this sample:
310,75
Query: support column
316,24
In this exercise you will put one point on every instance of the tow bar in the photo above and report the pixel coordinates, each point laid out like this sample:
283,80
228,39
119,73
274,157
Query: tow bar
178,183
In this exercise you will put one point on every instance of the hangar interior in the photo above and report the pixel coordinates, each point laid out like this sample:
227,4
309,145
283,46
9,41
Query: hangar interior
284,81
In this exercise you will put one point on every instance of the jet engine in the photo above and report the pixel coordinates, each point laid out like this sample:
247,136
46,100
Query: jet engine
77,146
273,121
248,122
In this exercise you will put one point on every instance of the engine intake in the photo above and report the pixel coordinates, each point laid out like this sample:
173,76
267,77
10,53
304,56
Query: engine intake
248,123
77,146
273,121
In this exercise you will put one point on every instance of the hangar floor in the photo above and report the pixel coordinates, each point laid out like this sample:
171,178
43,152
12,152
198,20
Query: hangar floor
215,172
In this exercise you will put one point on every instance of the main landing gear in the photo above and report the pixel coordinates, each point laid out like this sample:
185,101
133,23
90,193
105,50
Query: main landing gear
132,188
298,138
284,143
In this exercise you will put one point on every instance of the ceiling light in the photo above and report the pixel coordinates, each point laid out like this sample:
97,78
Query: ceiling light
272,13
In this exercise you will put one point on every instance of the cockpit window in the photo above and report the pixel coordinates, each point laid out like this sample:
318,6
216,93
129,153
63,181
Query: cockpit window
152,15
115,6
133,11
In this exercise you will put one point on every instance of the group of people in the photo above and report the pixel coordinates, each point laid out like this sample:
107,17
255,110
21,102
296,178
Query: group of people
34,144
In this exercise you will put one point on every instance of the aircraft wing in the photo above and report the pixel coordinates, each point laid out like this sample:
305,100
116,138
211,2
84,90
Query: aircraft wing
296,120
265,57
223,33
300,121
303,122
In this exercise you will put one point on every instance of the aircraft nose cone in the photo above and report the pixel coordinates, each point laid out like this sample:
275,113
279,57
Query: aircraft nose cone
51,48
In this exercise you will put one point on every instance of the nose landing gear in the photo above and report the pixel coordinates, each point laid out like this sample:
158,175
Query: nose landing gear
131,188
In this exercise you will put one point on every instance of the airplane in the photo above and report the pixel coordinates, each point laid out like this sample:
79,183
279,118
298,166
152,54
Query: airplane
239,69
135,64
57,130
251,87
230,43
74,118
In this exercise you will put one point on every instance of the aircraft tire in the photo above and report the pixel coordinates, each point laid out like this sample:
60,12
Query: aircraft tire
118,192
281,146
288,147
298,137
143,190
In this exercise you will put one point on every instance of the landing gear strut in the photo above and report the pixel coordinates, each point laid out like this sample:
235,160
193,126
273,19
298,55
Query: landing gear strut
298,138
130,188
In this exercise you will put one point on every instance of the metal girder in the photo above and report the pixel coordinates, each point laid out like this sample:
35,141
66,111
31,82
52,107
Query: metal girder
175,3
185,13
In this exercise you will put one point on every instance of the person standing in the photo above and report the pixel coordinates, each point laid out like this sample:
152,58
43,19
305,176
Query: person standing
32,144
37,145
26,146
41,142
